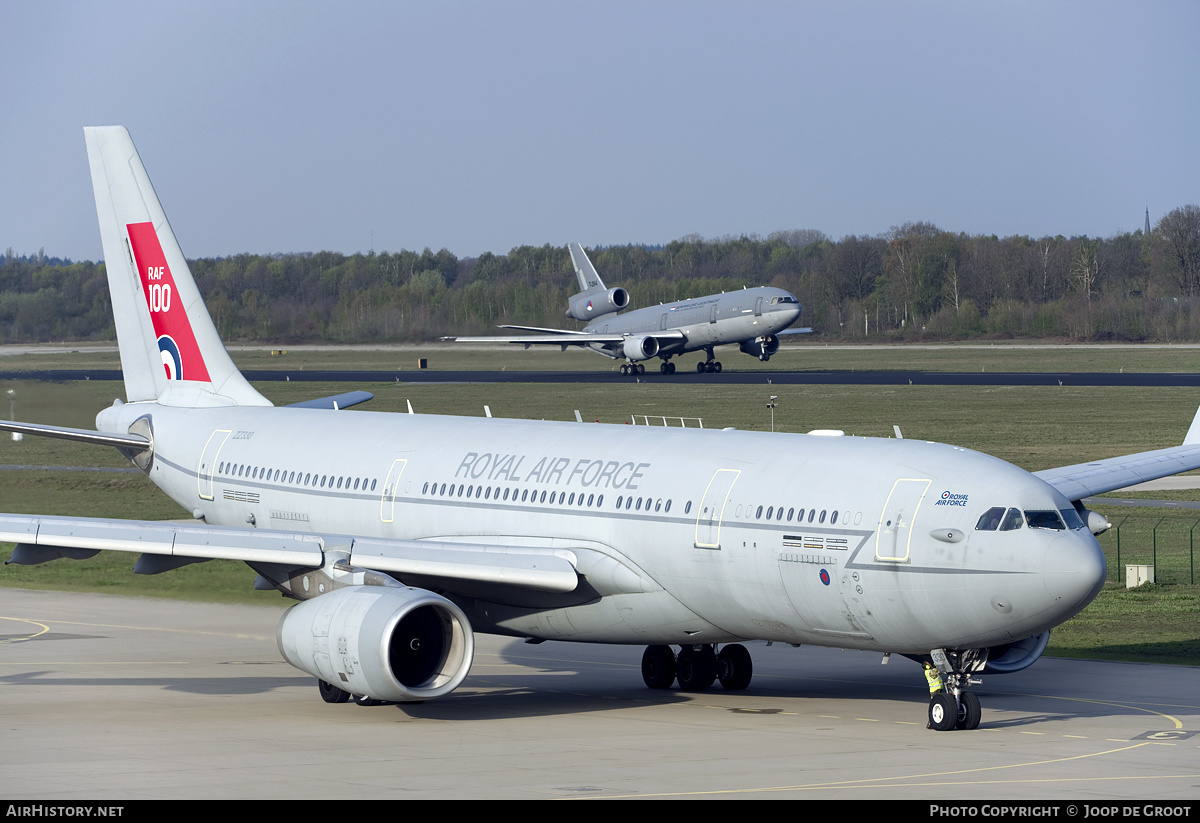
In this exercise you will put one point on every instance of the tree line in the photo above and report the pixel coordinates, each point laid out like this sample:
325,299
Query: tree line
912,282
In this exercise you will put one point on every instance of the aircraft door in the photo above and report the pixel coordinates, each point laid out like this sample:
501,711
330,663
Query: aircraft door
712,508
387,503
758,307
894,533
208,462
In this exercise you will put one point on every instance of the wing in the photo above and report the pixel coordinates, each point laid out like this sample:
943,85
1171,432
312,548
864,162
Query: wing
564,337
1098,476
167,545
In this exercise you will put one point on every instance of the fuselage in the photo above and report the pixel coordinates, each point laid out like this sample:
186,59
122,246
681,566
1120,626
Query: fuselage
714,320
681,536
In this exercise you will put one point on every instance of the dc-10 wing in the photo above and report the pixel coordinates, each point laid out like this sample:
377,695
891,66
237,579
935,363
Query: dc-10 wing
167,544
1099,476
564,337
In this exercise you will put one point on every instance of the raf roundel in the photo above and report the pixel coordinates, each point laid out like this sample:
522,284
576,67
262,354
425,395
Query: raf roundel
825,577
172,362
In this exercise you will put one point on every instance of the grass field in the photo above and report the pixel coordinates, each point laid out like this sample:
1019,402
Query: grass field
1033,427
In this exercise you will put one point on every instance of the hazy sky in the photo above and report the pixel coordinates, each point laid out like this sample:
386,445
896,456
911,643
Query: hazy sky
479,126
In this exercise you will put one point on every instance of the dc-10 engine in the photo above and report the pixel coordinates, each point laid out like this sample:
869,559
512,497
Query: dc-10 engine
761,347
640,346
1013,657
585,307
391,644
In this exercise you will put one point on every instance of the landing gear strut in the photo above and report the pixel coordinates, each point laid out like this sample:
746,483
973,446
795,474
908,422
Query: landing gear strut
697,667
956,707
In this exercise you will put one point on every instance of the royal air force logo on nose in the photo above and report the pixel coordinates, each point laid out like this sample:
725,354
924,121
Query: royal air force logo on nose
172,362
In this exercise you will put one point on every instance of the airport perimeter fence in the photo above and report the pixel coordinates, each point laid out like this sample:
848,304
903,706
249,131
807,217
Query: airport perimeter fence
1167,543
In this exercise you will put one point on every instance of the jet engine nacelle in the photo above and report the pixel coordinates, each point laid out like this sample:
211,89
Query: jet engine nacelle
1012,657
392,644
763,347
640,346
585,307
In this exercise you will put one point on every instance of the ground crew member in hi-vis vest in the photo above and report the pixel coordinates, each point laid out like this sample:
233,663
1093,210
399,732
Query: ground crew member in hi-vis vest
934,678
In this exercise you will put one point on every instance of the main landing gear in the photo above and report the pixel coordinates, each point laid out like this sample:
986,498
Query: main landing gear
632,369
697,667
710,365
956,707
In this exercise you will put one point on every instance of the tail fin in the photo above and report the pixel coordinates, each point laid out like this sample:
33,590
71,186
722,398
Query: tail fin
585,272
594,299
170,350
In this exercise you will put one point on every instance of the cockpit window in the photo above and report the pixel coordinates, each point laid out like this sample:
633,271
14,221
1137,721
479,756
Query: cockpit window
990,521
1074,521
1012,520
1044,520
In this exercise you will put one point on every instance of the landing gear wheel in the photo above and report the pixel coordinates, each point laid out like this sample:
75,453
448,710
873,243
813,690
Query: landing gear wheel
717,367
663,368
696,669
658,667
943,712
700,367
331,693
363,700
735,667
969,712
624,369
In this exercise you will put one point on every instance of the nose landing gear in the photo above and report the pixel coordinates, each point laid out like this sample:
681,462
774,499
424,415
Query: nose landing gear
956,707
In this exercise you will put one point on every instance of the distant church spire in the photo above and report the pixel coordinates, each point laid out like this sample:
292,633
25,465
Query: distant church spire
1147,219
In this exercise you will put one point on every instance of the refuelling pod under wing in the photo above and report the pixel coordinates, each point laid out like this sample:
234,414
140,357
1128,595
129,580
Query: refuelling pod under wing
764,346
640,346
392,644
585,306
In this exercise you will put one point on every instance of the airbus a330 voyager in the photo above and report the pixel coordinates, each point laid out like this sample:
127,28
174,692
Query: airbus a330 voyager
751,318
401,535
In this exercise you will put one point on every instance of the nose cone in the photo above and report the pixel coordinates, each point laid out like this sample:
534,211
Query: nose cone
1075,571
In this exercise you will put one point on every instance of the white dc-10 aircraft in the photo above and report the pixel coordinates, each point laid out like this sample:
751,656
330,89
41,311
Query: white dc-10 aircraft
751,318
401,535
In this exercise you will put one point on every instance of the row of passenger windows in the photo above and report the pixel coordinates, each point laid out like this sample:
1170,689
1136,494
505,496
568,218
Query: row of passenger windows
294,478
999,519
780,514
508,494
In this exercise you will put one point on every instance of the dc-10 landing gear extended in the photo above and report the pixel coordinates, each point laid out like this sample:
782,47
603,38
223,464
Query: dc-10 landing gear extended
697,667
955,707
710,365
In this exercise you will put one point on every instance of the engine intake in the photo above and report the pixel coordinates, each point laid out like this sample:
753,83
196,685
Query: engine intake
1012,657
640,346
762,347
585,306
393,644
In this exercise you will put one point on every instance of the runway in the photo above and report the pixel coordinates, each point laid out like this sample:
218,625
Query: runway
730,377
122,698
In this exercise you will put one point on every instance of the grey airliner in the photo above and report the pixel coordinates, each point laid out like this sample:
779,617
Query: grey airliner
751,318
401,535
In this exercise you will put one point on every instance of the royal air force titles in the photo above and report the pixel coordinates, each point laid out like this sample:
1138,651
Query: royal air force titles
552,471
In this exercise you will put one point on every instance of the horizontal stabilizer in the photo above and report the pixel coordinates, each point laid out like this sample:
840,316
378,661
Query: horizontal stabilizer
121,441
337,401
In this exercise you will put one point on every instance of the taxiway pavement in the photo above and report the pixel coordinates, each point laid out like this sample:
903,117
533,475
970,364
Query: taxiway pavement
110,697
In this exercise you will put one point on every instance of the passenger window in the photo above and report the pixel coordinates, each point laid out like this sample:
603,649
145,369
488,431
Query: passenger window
989,521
